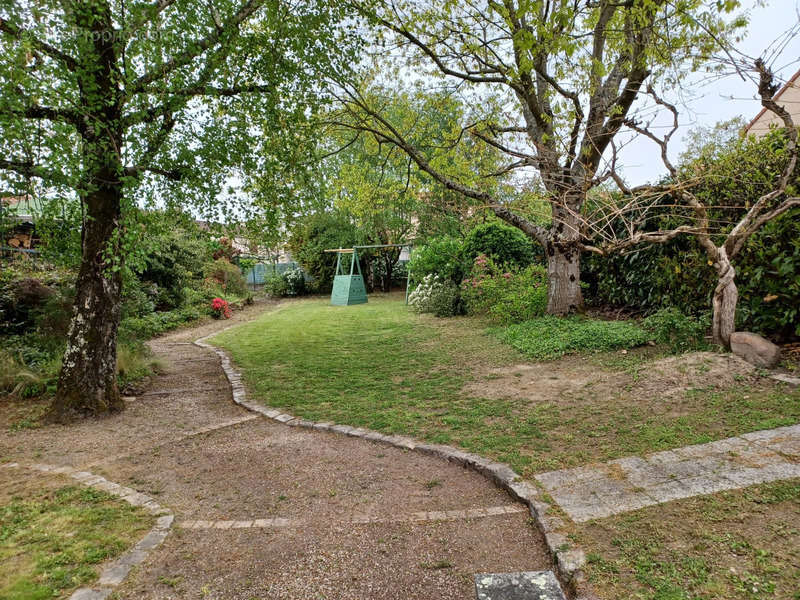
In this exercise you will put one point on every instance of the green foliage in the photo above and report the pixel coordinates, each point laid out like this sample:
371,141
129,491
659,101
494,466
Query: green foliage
505,297
768,278
680,332
440,256
275,285
16,378
317,233
435,295
227,275
732,173
549,337
504,244
291,282
295,282
172,255
153,324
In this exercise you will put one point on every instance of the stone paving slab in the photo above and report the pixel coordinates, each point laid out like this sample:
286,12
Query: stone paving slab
626,484
527,585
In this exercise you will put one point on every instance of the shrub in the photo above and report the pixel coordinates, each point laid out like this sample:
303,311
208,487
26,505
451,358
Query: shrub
172,257
505,297
275,285
436,296
680,332
549,337
220,308
736,173
504,244
442,256
227,275
295,282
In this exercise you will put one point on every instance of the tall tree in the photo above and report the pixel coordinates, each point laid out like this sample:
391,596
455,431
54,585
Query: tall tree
120,101
556,81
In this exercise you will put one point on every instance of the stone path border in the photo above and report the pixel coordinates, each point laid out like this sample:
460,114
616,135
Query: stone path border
434,515
114,572
568,558
783,378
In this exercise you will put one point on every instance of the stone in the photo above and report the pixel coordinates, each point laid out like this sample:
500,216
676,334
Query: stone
90,594
526,585
788,379
151,540
570,562
755,349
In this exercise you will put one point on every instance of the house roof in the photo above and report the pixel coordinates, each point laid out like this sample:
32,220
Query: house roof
790,83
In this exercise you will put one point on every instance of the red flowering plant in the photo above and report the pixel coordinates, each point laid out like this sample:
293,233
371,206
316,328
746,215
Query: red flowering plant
220,308
504,295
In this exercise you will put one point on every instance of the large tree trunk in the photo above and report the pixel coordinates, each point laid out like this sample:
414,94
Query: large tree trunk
87,384
564,295
724,301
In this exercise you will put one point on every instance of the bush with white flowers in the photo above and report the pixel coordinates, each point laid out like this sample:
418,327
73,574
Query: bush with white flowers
435,295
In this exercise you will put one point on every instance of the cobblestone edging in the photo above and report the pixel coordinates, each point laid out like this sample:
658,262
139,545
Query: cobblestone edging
568,558
432,515
114,572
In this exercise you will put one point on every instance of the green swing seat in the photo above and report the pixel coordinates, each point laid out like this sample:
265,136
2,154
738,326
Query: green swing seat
348,289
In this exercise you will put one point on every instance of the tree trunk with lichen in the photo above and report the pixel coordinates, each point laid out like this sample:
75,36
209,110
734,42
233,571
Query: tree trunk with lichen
564,294
87,384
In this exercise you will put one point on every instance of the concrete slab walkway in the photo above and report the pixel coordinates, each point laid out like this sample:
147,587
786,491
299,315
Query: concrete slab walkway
596,491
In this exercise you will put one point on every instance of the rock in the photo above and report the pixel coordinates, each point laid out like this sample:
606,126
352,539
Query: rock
755,349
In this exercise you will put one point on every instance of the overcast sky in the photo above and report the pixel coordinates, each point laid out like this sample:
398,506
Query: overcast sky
723,99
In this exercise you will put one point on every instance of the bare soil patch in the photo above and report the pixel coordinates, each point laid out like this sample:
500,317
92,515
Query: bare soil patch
567,380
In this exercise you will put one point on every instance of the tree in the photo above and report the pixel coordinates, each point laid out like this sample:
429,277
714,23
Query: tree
697,194
123,102
552,86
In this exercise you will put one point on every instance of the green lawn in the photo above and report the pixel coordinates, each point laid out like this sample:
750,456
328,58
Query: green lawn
53,541
380,366
741,544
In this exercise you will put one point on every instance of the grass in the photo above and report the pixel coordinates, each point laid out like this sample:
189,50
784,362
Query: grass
737,545
52,542
551,337
382,367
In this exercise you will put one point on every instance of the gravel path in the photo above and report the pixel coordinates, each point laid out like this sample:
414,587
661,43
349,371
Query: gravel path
304,514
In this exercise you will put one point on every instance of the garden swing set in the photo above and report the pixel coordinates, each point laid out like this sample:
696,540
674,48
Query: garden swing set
349,288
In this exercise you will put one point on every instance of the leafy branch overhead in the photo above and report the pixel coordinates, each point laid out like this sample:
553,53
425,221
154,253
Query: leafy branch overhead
550,86
120,103
192,86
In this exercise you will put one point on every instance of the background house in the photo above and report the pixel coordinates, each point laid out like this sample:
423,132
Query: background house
788,97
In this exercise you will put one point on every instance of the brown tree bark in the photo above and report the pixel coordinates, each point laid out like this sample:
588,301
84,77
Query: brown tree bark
724,301
87,384
564,294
